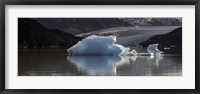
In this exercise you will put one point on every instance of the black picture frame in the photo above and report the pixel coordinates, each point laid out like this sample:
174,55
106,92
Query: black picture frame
3,3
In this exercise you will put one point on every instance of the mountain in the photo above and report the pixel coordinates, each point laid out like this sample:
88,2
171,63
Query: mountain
81,25
154,21
32,34
170,43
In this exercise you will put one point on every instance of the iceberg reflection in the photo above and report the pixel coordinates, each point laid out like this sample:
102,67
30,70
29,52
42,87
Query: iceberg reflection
109,65
154,60
99,65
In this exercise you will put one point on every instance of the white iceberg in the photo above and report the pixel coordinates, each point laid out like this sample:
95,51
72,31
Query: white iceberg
99,45
153,50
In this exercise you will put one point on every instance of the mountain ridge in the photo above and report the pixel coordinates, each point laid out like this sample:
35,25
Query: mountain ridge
83,25
32,34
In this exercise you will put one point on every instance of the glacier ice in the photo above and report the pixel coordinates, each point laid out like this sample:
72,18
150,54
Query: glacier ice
99,45
153,49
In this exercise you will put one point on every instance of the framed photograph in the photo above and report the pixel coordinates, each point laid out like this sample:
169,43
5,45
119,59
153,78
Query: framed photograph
113,46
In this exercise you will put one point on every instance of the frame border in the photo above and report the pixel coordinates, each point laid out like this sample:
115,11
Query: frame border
3,3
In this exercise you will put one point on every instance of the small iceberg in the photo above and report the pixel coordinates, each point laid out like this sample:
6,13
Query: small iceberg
99,45
154,51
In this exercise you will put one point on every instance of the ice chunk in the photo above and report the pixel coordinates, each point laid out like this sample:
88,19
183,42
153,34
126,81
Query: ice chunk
99,45
153,49
167,48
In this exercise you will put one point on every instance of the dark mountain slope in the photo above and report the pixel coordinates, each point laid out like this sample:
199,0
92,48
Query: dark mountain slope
32,34
170,43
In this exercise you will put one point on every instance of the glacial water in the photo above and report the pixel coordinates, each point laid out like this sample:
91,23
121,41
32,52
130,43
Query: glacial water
57,63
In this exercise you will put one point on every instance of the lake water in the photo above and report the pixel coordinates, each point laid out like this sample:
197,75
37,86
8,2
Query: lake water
57,63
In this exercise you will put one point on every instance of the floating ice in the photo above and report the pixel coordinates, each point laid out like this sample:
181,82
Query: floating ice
153,49
99,45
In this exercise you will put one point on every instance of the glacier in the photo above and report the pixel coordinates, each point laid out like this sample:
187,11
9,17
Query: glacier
99,45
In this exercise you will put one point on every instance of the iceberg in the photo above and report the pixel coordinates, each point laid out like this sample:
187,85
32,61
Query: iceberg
153,50
99,45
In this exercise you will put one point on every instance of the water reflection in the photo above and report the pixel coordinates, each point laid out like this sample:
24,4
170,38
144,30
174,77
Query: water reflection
55,63
121,65
154,60
99,65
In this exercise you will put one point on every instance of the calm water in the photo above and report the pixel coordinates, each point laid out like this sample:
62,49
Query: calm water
57,63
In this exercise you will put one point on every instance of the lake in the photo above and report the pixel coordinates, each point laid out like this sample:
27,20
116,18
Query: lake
55,62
